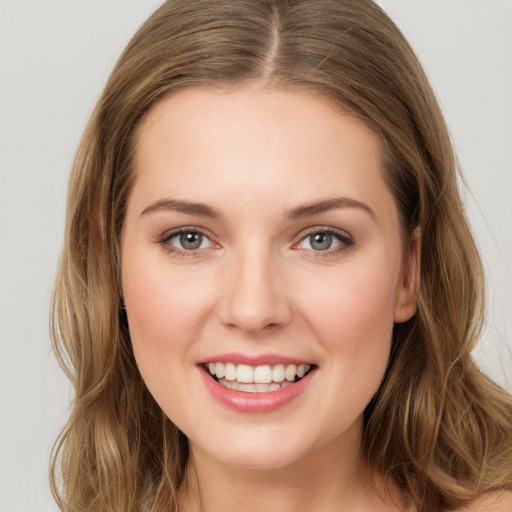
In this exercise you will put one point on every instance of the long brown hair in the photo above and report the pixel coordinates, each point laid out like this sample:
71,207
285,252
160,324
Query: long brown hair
437,426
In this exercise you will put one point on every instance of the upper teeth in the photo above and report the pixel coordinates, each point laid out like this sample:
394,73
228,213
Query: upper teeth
258,374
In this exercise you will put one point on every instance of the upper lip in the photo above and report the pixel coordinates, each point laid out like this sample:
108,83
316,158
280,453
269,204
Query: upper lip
254,360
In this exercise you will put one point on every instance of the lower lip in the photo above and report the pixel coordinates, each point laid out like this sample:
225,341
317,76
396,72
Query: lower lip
242,401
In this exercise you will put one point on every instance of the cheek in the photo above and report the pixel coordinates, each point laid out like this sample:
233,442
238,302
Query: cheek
353,319
358,304
160,302
165,311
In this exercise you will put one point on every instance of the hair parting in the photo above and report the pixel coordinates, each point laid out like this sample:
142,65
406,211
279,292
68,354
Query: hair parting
437,426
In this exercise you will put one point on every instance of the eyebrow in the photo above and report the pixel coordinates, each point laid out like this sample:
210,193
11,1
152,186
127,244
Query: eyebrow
307,210
186,207
316,208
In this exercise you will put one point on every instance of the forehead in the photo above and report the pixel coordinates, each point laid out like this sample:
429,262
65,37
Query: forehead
293,145
253,110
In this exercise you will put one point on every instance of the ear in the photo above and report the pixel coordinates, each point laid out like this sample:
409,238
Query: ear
405,304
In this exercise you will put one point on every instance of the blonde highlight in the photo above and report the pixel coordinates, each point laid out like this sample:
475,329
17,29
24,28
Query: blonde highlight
437,426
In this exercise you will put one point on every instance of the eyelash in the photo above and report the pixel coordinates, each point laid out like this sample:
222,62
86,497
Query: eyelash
345,239
164,241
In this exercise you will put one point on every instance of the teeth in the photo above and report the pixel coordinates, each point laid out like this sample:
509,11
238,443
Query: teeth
245,375
218,370
278,373
290,372
229,371
254,388
263,374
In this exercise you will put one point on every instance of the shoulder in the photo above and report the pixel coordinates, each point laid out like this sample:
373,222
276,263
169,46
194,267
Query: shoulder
497,501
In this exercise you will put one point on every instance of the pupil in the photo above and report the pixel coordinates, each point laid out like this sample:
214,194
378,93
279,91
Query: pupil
321,241
191,241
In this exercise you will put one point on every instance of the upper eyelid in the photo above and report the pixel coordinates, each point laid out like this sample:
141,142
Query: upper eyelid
167,235
324,229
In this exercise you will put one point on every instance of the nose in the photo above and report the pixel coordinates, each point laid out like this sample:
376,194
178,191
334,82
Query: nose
255,296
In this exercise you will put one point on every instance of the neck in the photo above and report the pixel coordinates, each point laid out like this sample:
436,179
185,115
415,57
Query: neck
330,478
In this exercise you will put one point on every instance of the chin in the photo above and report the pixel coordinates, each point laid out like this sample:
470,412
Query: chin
264,447
254,449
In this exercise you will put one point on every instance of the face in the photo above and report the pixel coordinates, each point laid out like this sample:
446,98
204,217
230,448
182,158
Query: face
262,271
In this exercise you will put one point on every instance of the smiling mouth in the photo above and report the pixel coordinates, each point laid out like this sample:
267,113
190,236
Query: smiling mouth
257,379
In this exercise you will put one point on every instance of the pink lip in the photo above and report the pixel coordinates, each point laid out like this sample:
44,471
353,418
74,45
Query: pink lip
253,360
241,401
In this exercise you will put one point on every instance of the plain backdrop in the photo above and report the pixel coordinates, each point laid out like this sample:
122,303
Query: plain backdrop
55,56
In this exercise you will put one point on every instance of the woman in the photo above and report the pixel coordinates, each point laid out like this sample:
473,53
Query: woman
269,292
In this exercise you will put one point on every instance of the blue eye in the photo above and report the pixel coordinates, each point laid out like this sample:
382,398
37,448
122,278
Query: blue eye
325,240
186,240
321,241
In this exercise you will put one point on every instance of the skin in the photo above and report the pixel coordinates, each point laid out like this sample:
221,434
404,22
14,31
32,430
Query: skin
500,501
257,286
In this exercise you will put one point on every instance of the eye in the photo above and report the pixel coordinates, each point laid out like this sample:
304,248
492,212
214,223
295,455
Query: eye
186,240
320,241
328,240
190,241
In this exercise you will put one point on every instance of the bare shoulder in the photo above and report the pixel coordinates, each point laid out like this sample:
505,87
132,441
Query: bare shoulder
499,501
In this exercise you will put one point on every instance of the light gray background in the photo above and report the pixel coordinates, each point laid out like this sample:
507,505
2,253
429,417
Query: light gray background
55,55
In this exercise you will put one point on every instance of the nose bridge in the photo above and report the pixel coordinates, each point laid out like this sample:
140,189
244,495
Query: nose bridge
255,298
